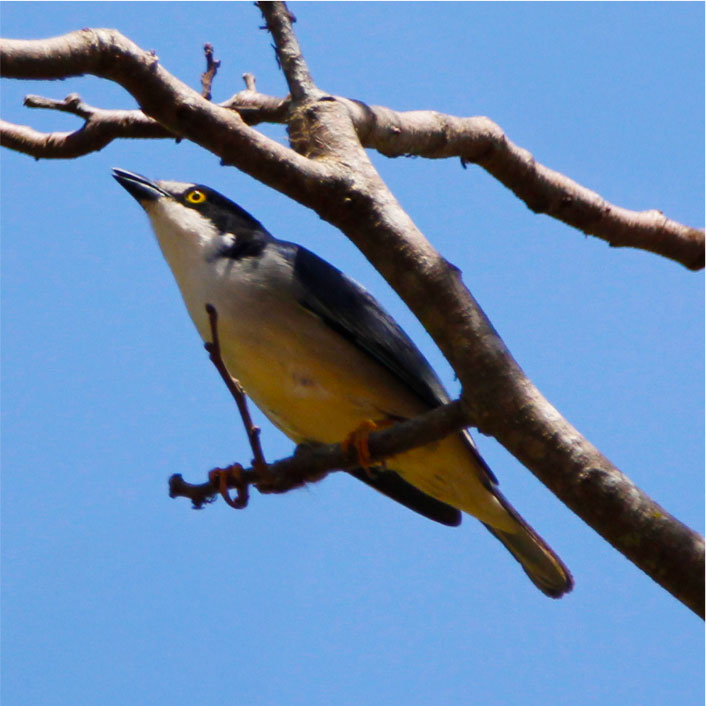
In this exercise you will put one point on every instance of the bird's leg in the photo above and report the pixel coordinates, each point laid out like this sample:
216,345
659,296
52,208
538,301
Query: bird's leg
358,439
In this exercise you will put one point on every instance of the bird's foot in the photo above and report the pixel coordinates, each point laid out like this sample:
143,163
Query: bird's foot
358,439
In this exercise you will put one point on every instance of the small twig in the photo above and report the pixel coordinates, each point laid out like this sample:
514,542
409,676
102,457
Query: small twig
312,463
71,104
254,107
221,479
283,476
200,495
211,71
249,81
99,129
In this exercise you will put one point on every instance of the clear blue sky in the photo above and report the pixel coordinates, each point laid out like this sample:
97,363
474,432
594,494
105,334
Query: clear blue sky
115,594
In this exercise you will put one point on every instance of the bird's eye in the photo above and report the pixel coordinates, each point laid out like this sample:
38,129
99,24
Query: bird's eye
196,196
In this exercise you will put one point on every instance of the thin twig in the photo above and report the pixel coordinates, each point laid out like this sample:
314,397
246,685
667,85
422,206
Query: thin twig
310,464
71,104
236,389
211,71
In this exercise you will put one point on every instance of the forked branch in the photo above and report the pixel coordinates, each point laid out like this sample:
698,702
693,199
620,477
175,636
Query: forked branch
427,134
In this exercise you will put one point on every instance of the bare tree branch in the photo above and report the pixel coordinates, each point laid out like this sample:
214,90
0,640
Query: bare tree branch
100,128
419,133
254,107
176,106
479,140
291,59
337,180
501,399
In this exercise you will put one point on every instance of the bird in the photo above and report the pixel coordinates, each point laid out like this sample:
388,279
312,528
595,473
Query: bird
320,357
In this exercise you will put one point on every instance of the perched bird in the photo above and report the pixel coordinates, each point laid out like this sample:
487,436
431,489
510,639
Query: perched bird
319,356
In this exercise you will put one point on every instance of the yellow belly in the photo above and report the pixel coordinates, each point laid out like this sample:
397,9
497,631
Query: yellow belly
314,398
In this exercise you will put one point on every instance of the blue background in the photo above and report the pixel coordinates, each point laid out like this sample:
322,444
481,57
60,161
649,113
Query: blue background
115,594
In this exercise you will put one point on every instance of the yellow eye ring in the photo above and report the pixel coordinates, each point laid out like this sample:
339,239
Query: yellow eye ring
196,196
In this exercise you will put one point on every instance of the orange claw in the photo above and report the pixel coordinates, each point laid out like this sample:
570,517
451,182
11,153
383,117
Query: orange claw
221,476
358,439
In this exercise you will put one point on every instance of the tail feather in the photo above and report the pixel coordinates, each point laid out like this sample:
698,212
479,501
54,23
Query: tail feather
544,568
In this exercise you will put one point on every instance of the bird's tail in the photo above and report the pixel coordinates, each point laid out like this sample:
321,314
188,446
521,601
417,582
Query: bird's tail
545,569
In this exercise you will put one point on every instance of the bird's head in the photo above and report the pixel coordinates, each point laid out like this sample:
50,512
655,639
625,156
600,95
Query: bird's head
191,218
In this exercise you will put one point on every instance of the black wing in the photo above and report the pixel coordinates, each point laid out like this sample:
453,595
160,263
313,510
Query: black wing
355,314
394,486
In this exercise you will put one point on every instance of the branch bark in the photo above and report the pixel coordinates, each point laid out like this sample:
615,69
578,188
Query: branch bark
427,134
329,171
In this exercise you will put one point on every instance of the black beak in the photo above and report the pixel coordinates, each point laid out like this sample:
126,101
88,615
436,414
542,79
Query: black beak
141,188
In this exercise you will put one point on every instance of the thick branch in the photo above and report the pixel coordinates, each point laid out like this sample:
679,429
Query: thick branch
504,403
502,400
279,24
480,140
